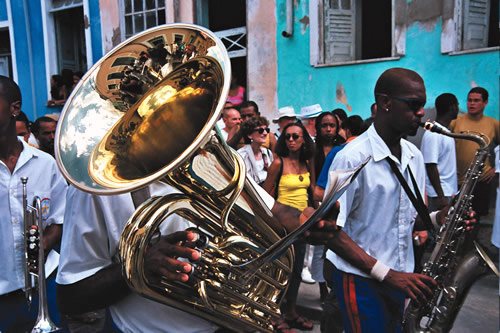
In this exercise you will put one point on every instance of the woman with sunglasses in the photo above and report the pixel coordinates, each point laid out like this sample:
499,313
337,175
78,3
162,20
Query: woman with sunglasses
290,178
257,158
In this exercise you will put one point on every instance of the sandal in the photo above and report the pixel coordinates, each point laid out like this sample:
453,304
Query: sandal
281,326
300,323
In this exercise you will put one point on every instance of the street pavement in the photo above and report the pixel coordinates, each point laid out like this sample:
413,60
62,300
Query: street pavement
479,313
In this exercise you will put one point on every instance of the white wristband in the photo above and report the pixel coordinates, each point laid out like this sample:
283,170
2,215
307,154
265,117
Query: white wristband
379,271
433,217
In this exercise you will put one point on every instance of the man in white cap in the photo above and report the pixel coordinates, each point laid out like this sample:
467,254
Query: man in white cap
308,115
286,115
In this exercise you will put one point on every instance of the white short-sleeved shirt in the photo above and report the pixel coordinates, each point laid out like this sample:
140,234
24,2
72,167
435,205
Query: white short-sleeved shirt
440,149
45,181
375,211
90,243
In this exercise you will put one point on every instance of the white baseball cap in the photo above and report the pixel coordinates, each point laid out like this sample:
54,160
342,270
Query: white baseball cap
310,111
286,111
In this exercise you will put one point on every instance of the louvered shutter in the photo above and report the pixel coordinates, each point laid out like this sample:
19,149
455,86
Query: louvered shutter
476,17
339,30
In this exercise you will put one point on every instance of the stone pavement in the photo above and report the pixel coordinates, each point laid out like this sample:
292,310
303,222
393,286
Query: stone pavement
479,313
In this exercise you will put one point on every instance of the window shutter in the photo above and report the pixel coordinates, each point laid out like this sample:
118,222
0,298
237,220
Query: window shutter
476,17
339,30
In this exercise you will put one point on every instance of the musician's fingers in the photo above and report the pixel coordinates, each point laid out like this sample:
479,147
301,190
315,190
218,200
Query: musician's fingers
174,269
180,236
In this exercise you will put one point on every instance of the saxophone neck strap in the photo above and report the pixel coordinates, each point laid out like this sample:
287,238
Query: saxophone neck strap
416,199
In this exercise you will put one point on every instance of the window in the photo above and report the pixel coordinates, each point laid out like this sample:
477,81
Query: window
474,26
139,15
352,30
477,31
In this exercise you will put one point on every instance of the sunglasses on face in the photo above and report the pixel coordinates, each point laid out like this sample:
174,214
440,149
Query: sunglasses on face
414,104
262,130
292,136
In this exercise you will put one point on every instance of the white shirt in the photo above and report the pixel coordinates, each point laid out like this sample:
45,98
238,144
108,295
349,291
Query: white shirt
90,243
45,181
440,149
375,211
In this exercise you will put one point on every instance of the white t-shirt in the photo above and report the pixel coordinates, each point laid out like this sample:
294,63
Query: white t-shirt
440,149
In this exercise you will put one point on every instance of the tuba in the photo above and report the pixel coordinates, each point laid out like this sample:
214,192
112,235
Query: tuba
146,112
34,269
453,269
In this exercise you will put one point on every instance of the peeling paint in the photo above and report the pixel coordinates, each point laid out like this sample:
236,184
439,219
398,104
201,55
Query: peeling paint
86,23
305,24
341,96
116,39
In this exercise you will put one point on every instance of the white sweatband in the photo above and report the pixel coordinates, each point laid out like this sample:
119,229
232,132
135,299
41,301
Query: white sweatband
433,217
379,271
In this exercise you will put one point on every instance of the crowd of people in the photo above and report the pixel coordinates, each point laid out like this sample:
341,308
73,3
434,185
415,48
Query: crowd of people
366,255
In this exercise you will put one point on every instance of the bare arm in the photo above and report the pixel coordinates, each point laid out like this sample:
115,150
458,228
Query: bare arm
51,236
108,286
98,291
415,286
272,176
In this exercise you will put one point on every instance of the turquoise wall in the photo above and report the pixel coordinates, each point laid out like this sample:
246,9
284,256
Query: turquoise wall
300,84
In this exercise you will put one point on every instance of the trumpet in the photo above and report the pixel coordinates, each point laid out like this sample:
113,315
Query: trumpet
34,270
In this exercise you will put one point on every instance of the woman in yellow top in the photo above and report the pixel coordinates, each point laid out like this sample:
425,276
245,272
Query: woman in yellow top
290,178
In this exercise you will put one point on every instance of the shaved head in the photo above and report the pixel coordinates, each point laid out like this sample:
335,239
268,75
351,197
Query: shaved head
393,81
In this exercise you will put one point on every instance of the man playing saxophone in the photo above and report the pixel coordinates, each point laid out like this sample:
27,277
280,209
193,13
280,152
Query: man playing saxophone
44,180
373,250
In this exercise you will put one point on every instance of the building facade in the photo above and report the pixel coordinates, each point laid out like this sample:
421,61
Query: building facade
285,52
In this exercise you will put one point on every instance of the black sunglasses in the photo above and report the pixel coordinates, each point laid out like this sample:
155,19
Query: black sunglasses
261,130
415,104
292,136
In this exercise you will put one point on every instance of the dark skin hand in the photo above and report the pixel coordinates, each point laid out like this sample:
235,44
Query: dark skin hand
161,257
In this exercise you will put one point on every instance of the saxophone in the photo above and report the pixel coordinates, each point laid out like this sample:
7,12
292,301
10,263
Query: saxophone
453,270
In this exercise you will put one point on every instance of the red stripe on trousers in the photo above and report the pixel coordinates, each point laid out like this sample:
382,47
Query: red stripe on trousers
350,300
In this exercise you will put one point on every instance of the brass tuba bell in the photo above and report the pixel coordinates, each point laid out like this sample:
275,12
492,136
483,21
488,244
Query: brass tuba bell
147,112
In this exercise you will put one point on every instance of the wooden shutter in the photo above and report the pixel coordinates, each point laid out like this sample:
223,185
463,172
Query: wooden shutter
476,17
339,30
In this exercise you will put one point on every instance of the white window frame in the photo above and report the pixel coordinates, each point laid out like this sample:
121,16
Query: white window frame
317,44
451,33
50,43
144,11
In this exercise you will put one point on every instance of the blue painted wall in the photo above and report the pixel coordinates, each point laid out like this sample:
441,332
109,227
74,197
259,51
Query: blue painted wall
3,10
95,28
30,53
300,84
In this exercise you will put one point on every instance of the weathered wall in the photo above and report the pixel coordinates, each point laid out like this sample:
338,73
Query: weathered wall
262,56
351,87
110,19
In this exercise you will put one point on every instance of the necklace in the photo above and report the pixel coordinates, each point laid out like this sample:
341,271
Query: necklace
297,170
